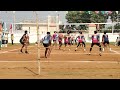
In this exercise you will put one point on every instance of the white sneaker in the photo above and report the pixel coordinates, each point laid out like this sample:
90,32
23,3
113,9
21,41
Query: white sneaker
84,49
110,49
89,53
103,49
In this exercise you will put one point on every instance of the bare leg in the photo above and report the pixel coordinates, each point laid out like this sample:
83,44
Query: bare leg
22,48
26,48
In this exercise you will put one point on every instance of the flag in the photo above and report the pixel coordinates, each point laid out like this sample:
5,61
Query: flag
96,12
103,12
0,27
3,26
106,12
109,12
10,28
89,12
117,12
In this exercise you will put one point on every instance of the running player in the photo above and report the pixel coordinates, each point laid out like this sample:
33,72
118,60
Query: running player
60,37
67,41
47,44
95,41
81,41
25,42
105,41
55,38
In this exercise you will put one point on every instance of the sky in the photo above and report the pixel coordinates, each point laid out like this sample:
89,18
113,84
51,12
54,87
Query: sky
7,16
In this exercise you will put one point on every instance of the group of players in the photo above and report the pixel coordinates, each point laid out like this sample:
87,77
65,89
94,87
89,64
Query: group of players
80,40
68,41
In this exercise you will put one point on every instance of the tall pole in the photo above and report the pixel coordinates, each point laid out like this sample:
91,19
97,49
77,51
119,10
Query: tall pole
38,45
48,23
57,21
13,21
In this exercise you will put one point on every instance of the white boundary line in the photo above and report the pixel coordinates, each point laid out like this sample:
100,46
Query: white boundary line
64,61
11,50
115,51
60,53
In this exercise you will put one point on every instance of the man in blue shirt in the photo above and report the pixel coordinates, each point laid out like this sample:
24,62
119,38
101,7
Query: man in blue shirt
47,44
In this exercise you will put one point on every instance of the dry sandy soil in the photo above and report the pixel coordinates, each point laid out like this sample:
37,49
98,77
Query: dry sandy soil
60,65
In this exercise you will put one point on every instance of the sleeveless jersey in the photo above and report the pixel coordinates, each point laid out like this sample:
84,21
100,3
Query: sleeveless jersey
66,39
60,38
105,38
80,39
54,36
95,38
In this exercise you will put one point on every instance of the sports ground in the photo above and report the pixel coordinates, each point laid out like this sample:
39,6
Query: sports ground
61,64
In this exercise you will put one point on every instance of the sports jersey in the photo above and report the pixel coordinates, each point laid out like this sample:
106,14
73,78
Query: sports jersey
47,39
105,38
80,38
55,36
95,38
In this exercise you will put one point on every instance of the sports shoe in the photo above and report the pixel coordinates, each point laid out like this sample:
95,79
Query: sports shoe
89,53
110,49
100,53
26,52
84,49
21,51
103,49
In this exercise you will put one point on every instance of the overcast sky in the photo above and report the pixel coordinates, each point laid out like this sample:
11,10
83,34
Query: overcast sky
22,15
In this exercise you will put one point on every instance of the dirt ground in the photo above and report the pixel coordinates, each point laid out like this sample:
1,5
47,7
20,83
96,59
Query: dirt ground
61,64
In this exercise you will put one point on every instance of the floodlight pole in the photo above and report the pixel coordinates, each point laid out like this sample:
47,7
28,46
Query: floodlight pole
38,43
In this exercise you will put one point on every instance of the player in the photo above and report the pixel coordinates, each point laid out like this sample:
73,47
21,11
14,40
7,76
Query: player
25,42
67,41
55,38
105,41
95,41
47,44
119,40
72,39
60,37
81,41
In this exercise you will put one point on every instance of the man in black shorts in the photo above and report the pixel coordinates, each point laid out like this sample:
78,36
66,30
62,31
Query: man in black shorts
47,44
25,42
105,41
95,41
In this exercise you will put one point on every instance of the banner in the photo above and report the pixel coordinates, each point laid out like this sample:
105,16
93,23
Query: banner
0,27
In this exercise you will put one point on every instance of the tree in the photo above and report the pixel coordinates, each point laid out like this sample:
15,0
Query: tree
114,16
86,17
98,18
73,17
